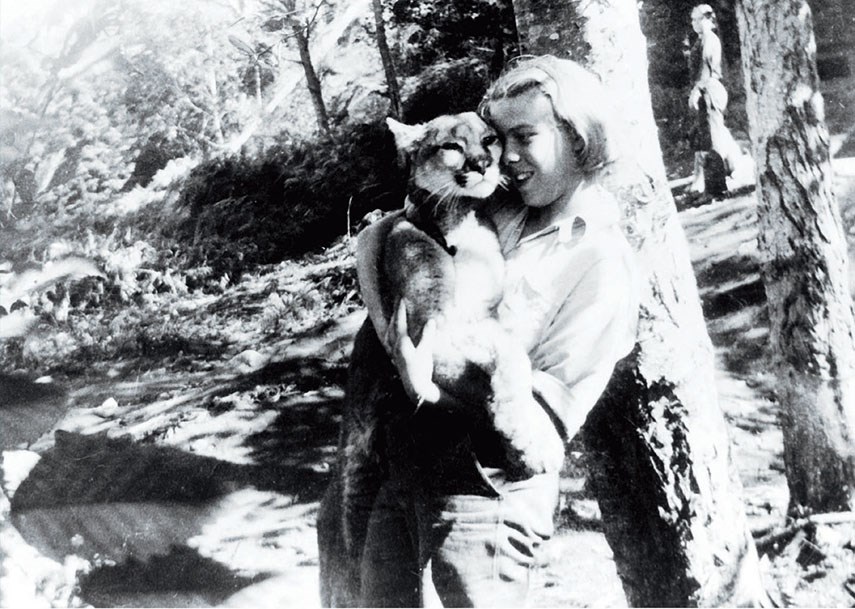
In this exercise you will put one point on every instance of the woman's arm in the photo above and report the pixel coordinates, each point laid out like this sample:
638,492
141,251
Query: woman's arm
592,331
711,56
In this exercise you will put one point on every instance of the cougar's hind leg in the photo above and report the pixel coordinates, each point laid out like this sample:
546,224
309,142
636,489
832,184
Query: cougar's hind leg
358,472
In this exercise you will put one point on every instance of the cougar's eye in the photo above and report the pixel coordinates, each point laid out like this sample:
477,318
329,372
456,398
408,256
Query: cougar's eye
489,140
452,146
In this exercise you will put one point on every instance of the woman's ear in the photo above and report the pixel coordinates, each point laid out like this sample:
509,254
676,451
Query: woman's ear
583,150
407,137
577,144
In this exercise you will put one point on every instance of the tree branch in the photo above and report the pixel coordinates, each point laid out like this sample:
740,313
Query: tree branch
310,23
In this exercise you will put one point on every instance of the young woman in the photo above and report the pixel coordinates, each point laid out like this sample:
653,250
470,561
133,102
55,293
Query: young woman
708,98
450,523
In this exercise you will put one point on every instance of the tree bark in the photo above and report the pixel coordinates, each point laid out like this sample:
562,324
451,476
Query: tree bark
313,83
386,59
805,266
671,500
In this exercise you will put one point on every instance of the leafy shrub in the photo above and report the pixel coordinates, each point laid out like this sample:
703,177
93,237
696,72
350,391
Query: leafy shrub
448,87
437,31
153,156
294,199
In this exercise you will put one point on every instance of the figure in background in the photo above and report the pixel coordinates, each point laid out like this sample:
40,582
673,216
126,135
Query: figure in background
708,98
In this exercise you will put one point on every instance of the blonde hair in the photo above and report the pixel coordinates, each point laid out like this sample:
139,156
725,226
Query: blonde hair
704,11
578,99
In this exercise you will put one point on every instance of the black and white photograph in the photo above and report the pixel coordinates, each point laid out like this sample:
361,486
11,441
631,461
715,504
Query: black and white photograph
427,303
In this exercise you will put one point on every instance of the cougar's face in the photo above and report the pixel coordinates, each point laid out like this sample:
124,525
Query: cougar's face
455,156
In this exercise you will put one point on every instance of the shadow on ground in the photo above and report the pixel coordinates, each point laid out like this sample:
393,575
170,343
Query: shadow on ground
179,576
162,526
687,200
27,409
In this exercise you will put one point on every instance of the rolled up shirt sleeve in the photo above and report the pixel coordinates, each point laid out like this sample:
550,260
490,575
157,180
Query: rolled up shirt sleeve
593,329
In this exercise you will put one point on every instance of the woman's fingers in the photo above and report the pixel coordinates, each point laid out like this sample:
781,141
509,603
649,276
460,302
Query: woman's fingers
694,98
397,332
401,319
392,333
415,363
422,357
518,546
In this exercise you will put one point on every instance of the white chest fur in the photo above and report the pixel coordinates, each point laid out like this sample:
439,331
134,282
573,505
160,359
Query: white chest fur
479,268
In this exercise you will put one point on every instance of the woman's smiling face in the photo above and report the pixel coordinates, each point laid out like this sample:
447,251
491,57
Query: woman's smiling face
538,153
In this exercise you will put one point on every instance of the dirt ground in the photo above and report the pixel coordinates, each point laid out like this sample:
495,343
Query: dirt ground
193,479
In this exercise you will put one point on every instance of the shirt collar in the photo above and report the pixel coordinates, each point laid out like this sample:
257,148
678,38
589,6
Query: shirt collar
591,208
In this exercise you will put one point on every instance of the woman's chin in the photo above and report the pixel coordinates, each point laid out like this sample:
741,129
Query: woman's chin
533,199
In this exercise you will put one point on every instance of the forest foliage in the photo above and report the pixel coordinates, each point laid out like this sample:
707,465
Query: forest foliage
177,146
98,99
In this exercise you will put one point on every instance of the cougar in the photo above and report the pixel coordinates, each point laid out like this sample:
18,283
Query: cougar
442,260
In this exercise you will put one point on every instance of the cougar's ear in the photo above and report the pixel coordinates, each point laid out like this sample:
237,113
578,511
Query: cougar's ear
406,136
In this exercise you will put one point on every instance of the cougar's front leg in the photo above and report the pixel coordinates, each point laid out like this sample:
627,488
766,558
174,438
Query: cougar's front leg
532,442
484,367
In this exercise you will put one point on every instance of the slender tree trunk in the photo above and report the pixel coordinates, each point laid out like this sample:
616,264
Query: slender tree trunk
386,59
671,500
257,74
805,266
312,81
213,89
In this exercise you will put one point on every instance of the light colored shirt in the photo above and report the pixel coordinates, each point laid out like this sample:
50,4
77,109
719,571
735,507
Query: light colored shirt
571,298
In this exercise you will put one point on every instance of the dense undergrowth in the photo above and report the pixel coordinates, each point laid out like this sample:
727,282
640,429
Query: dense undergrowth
292,200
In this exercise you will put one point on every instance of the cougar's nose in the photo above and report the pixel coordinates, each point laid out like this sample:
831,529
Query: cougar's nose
479,165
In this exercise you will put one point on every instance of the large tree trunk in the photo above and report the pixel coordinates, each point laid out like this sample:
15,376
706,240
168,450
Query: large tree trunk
386,59
312,81
671,500
805,263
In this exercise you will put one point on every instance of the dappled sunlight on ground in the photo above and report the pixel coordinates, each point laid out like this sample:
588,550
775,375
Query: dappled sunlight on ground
188,488
722,237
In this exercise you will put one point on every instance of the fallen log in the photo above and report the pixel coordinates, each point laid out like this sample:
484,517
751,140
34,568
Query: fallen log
769,538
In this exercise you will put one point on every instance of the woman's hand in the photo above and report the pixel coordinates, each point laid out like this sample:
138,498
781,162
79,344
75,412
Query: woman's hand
694,97
414,363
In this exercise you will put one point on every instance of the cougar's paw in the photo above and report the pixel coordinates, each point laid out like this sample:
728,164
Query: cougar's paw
531,440
544,455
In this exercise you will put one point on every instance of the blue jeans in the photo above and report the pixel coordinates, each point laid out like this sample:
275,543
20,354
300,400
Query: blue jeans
460,550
